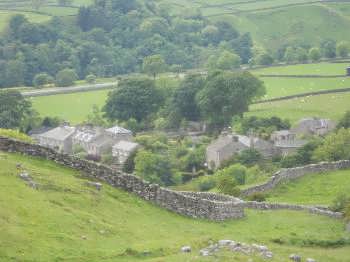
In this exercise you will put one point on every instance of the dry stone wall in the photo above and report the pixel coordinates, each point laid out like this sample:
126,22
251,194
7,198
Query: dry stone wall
293,173
198,205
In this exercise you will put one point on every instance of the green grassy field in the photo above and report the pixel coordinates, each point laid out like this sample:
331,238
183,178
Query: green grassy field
331,106
274,23
278,87
306,190
67,221
32,17
324,69
71,107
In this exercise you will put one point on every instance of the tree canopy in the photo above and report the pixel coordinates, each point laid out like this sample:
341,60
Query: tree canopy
227,94
135,98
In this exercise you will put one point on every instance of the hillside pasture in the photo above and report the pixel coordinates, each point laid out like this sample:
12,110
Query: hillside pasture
313,189
65,220
332,106
32,17
322,69
285,86
73,107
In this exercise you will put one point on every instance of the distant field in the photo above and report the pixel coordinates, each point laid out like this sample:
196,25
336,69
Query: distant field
65,220
331,106
277,87
312,189
32,17
324,69
274,23
71,107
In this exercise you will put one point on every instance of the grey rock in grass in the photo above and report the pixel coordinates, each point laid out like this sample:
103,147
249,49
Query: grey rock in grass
310,260
348,227
295,258
204,252
186,249
96,185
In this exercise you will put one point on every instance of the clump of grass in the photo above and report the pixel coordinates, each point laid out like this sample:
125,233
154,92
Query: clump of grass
15,134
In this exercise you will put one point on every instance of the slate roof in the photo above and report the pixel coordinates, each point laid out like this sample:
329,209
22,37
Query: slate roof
60,133
118,130
220,143
125,146
291,143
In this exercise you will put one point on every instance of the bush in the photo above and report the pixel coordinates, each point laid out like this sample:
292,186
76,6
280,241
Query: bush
227,185
206,183
341,203
90,79
66,77
259,197
236,172
42,79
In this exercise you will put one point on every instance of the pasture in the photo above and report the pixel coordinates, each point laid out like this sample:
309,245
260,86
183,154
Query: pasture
332,106
312,189
274,23
73,107
67,220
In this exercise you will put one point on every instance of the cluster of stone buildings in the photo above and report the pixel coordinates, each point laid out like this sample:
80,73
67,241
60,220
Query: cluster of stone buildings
94,141
281,143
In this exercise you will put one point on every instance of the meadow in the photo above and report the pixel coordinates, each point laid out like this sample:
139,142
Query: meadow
73,107
65,220
274,23
332,106
323,69
312,189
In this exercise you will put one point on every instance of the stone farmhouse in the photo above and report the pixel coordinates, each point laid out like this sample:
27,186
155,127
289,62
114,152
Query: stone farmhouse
286,142
59,139
313,126
95,141
123,149
227,145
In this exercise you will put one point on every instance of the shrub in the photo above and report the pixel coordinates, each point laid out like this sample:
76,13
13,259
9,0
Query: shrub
227,185
206,183
259,197
90,79
66,77
42,79
341,203
236,172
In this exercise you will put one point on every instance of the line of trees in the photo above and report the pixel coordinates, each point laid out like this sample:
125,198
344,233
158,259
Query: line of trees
215,99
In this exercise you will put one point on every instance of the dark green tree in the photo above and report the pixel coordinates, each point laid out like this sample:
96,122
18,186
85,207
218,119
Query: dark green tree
227,94
14,109
135,98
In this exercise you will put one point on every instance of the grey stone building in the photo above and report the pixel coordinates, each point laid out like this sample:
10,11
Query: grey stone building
313,126
122,150
286,142
59,138
227,145
119,133
93,140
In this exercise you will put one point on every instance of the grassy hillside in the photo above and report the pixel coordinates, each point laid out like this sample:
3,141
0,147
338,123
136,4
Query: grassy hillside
42,14
330,106
306,190
274,23
67,221
71,107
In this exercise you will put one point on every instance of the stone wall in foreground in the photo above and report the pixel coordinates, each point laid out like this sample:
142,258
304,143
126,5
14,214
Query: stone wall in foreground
293,173
198,205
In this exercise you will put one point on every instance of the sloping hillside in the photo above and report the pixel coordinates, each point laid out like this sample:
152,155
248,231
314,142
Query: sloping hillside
66,220
274,23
